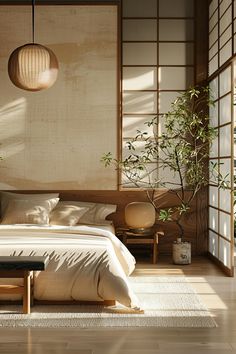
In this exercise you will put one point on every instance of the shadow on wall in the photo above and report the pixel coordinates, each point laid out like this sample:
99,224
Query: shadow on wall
12,127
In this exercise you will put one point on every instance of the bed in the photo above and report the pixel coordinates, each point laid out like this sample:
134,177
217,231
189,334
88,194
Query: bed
87,262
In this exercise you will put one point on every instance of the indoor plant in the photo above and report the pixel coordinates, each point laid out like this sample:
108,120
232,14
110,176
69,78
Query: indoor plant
182,151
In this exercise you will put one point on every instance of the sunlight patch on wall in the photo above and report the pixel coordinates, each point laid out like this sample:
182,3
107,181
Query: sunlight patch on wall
12,129
12,115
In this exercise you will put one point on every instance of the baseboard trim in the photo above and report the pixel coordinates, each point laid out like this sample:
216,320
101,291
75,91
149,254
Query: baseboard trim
225,270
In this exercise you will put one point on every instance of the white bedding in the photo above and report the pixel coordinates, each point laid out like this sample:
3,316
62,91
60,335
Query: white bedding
86,262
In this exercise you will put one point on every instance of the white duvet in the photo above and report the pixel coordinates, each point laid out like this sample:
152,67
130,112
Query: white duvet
86,262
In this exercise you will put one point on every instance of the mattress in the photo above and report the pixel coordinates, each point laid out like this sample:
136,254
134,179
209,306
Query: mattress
107,227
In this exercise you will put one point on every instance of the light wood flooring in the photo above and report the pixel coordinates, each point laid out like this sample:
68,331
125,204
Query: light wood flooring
216,290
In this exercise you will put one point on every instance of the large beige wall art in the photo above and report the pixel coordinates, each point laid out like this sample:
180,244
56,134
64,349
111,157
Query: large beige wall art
54,139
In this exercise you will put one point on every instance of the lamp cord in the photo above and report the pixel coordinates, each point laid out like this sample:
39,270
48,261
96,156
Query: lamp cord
33,3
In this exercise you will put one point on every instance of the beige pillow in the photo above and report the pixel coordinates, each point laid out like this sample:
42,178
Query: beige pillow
28,211
66,214
7,196
96,212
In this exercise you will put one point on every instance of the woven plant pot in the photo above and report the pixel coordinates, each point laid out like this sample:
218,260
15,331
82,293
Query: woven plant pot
181,252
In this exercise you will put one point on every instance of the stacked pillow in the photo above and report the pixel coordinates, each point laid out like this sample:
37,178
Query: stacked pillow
66,213
27,208
46,209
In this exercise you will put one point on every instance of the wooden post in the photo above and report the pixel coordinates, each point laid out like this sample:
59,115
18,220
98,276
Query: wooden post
27,291
155,247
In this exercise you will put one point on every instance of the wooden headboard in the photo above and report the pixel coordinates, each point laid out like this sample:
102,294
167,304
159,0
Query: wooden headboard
120,198
195,223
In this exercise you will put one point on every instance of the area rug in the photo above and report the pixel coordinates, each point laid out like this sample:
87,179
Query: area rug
167,302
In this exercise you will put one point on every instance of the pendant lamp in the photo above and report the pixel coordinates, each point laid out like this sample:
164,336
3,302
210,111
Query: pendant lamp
33,67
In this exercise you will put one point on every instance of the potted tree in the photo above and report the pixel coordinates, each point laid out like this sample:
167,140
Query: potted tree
182,152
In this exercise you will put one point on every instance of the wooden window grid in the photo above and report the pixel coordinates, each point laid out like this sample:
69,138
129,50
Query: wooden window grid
156,91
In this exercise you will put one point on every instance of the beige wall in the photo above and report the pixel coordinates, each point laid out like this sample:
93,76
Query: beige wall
54,139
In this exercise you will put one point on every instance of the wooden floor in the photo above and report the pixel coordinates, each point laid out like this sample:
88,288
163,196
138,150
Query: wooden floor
215,289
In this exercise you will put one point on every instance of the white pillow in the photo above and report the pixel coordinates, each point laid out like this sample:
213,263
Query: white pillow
28,211
96,213
66,213
7,196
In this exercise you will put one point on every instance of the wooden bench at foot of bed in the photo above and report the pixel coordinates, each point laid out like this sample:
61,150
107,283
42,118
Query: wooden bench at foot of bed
23,267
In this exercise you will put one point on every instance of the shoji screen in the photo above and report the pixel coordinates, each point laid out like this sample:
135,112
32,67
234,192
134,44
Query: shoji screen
221,43
139,67
157,60
221,52
220,201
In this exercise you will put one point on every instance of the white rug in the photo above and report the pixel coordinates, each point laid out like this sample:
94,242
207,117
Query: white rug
167,302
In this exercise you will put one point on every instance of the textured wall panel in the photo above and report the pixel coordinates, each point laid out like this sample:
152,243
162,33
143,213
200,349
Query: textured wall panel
54,139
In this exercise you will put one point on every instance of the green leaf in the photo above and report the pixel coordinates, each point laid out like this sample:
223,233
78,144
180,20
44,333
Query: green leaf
165,214
183,208
107,159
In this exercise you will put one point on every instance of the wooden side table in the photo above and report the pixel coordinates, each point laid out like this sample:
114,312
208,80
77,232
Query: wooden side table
21,267
152,238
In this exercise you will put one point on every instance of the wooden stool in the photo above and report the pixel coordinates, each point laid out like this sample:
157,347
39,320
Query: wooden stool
21,267
128,237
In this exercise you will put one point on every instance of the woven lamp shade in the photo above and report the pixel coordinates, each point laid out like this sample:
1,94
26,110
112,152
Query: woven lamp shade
33,67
